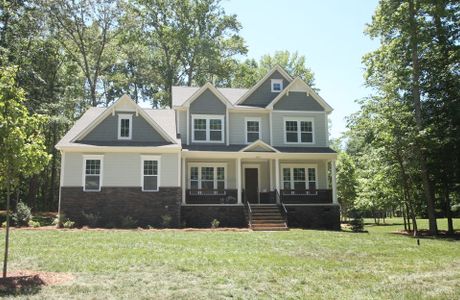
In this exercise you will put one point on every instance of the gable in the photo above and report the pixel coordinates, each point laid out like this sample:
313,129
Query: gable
107,131
259,149
258,146
263,95
298,101
207,103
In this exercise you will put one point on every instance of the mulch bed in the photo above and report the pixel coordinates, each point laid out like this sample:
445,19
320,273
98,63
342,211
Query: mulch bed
85,228
28,282
424,233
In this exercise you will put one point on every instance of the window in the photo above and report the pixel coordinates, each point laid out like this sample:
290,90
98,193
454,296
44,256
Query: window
208,178
299,179
150,173
92,174
277,85
298,131
207,128
252,129
124,126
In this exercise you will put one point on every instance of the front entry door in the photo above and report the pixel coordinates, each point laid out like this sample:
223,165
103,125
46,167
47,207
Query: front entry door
251,184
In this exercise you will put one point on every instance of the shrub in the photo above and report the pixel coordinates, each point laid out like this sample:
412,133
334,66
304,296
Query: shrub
22,215
357,224
56,220
34,224
166,220
215,223
92,219
128,222
68,224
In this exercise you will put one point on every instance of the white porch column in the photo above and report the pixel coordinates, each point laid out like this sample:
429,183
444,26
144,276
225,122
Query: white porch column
277,175
270,167
238,179
334,183
184,182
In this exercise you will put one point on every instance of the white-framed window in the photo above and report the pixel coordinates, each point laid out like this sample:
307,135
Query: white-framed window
207,178
150,173
208,128
298,131
125,126
299,179
277,85
252,129
92,172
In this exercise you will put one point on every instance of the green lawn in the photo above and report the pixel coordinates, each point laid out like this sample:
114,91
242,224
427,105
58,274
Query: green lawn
196,265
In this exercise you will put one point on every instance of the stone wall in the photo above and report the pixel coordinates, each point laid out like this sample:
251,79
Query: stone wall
314,216
114,203
202,216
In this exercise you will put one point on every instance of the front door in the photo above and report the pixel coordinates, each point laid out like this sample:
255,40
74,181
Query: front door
251,184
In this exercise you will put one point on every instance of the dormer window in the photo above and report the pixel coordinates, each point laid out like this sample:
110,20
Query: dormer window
125,127
277,85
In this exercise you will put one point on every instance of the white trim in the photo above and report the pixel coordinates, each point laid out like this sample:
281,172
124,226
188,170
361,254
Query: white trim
252,119
61,184
277,175
179,169
125,117
270,168
260,82
291,166
298,111
148,158
199,165
201,90
208,127
334,183
184,180
101,171
252,166
307,89
276,81
259,143
173,148
111,110
299,132
238,181
227,127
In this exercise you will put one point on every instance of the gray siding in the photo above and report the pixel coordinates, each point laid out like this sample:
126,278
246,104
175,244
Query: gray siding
120,169
238,127
298,101
207,103
263,95
181,117
107,130
319,128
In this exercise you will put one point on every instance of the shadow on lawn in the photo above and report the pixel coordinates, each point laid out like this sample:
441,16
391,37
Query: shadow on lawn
20,285
425,234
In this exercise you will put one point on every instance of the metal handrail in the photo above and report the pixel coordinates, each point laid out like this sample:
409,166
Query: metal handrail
246,203
278,199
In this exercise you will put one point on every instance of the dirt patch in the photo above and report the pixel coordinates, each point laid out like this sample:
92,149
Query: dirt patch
29,282
442,234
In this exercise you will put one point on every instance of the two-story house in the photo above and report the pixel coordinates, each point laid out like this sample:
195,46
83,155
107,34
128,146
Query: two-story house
257,157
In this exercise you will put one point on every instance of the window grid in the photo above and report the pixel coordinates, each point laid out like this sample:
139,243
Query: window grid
252,131
92,180
207,129
297,131
210,178
300,180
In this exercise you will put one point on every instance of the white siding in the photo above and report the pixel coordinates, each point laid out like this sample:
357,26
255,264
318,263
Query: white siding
120,169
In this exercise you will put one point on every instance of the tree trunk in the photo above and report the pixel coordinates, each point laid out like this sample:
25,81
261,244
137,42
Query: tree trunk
7,234
52,185
450,224
404,218
418,117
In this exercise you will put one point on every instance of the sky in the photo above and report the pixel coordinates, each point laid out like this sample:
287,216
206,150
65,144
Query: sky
330,33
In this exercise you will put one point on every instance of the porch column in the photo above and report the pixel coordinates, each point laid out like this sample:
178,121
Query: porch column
238,180
184,182
270,167
334,183
277,175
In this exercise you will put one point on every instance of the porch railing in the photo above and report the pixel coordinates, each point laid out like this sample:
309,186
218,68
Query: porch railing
227,196
306,196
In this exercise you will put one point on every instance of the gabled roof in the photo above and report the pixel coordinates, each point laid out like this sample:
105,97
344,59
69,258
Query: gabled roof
260,82
299,85
180,94
258,144
163,121
207,86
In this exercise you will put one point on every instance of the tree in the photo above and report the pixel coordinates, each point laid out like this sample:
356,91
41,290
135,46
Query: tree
23,149
246,74
346,182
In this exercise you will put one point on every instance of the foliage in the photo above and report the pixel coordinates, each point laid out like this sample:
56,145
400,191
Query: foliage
92,219
68,224
34,224
357,224
215,223
22,215
166,220
128,222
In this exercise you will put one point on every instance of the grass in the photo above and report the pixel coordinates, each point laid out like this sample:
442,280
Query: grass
305,264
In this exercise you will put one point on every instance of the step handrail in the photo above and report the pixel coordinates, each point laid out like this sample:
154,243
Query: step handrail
278,199
249,212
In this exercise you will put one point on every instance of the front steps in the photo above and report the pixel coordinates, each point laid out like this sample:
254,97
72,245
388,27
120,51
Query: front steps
266,217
